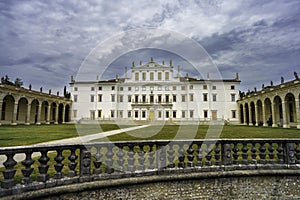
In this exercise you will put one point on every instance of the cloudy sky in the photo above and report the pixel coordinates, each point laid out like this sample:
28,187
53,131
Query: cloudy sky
45,42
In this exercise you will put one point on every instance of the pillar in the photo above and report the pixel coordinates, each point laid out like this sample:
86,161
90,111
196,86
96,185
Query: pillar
39,114
250,115
28,114
245,114
297,112
56,114
15,112
264,114
1,103
273,114
256,114
64,112
285,122
48,114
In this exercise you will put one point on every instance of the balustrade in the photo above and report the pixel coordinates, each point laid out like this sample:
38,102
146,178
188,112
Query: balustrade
108,160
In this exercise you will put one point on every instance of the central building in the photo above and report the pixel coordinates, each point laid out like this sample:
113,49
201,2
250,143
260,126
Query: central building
155,92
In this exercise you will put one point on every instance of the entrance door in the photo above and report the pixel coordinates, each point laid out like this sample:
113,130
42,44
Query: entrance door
214,115
151,115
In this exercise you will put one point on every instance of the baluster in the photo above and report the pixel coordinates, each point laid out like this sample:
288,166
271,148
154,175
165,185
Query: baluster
262,154
109,160
280,153
121,159
58,166
171,156
253,153
245,154
141,158
199,156
85,162
297,150
98,161
131,159
235,154
9,171
28,169
181,156
72,164
271,153
217,154
190,156
208,155
43,168
151,156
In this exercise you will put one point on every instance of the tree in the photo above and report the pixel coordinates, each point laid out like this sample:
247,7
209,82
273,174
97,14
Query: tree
18,82
5,80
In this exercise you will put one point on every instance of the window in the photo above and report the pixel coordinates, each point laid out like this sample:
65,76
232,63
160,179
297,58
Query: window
183,87
151,76
74,113
214,97
99,113
167,114
100,88
167,98
233,97
167,76
75,98
144,76
174,114
191,97
214,87
143,114
144,98
183,114
159,98
191,113
151,98
136,76
136,98
233,114
92,88
75,88
205,113
191,87
99,97
112,98
129,114
159,114
112,113
204,97
129,98
204,87
121,113
174,87
129,88
174,98
92,114
159,76
183,98
136,114
232,87
121,88
121,98
92,98
112,87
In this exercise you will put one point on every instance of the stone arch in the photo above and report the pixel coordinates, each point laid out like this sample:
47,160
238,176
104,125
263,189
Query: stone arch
241,114
259,112
247,113
67,113
290,105
268,111
7,109
278,114
34,111
22,110
53,110
252,119
60,113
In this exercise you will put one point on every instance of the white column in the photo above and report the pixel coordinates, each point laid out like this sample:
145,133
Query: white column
48,114
264,114
64,112
250,115
256,114
273,114
39,114
284,115
14,114
297,112
245,114
56,114
28,114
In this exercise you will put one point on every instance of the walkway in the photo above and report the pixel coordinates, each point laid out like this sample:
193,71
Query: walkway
76,140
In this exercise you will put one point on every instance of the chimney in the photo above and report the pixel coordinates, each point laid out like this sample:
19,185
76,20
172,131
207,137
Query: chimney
237,76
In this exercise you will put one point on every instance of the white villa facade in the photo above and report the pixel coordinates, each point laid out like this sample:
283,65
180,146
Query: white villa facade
153,92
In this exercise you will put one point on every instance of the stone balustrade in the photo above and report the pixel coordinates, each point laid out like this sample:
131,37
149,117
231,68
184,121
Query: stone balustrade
58,165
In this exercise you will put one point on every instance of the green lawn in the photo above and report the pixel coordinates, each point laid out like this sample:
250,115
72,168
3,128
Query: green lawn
26,135
169,132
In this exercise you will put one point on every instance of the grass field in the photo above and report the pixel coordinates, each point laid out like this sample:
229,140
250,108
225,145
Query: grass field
26,135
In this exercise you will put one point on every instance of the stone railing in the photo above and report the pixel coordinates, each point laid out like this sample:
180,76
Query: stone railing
50,166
